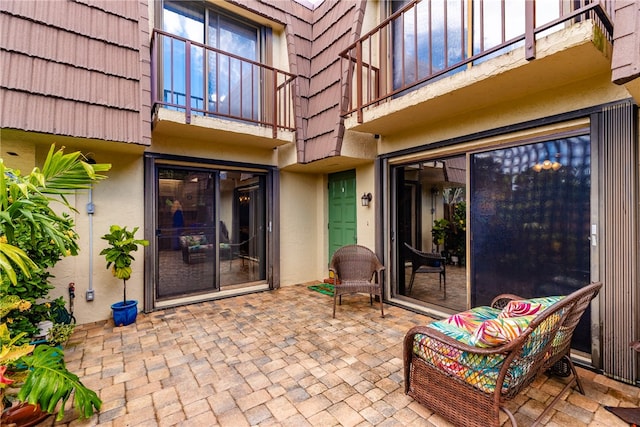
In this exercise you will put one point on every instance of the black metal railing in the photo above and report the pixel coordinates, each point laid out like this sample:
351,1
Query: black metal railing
202,80
426,40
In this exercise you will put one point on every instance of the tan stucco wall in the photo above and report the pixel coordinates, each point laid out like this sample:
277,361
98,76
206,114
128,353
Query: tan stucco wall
366,215
373,15
26,154
582,94
302,228
118,200
219,149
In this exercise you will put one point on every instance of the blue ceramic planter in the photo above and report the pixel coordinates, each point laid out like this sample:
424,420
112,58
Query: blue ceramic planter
124,313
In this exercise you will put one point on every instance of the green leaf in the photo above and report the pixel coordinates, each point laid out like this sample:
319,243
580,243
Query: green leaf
50,383
11,256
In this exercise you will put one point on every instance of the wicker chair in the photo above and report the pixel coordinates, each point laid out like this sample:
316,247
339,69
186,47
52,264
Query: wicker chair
422,262
469,385
356,269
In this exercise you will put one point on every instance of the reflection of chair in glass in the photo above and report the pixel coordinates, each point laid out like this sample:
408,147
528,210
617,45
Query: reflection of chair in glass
356,269
230,251
423,262
242,250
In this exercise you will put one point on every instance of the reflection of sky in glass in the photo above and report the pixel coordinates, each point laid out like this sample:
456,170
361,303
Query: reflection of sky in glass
223,75
571,153
546,11
427,20
192,29
183,26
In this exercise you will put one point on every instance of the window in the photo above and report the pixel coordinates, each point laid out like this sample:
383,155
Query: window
223,80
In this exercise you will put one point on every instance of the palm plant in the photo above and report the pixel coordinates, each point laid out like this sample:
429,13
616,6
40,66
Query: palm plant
38,371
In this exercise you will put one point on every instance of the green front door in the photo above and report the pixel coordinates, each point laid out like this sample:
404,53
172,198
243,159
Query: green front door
342,210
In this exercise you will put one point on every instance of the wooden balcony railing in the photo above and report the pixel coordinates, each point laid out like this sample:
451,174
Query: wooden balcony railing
202,80
426,40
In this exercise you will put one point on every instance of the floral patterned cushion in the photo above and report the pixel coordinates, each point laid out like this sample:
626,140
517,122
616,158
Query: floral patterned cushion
480,372
461,326
482,327
528,307
501,330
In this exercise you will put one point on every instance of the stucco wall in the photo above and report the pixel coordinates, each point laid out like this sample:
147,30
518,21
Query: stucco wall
581,94
366,215
302,228
118,200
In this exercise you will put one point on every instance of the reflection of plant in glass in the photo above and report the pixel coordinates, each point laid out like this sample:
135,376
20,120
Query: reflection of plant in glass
439,232
458,230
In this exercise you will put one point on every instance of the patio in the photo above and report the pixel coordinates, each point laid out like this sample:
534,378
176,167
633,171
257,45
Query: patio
278,358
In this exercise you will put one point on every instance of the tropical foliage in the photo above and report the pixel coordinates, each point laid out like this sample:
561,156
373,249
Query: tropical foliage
33,238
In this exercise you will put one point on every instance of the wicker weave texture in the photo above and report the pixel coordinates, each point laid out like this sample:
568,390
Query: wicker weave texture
356,269
475,400
458,404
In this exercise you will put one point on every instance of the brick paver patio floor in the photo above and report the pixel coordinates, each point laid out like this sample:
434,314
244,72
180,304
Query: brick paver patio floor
279,359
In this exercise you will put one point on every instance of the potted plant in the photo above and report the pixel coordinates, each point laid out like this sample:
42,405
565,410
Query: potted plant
118,255
439,232
33,237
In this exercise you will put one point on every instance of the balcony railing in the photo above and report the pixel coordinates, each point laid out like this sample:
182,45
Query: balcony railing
426,40
201,80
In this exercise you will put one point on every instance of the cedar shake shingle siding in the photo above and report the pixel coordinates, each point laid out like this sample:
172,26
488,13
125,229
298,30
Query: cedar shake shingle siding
314,40
76,68
626,33
336,25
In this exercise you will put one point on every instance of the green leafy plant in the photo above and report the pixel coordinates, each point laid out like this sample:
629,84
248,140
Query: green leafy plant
33,237
458,231
49,382
439,231
118,254
60,333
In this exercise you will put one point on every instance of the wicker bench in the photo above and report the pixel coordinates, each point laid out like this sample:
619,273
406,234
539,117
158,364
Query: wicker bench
466,373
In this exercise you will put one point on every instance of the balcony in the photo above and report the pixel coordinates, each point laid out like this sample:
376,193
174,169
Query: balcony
439,62
213,89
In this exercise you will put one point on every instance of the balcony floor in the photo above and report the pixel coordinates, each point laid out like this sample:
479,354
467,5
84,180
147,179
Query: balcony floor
278,358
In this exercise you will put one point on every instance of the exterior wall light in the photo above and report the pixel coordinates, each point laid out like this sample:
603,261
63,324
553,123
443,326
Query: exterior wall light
366,199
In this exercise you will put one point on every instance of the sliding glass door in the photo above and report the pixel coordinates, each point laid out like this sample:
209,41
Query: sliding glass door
530,216
510,219
210,229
